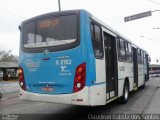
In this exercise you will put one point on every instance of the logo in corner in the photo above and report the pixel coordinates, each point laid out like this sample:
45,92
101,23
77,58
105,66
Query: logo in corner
45,52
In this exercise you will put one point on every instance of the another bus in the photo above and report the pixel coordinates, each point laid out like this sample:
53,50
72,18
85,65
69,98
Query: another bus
71,57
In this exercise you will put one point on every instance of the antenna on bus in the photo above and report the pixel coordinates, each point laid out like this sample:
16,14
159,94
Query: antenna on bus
59,5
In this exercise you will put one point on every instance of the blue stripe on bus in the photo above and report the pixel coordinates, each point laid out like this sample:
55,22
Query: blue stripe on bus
99,83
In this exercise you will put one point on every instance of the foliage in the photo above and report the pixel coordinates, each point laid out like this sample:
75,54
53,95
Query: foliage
7,56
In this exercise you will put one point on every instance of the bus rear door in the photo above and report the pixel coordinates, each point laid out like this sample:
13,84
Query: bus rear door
111,65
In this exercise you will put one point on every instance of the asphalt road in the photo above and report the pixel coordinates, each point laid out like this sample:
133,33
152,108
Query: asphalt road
139,103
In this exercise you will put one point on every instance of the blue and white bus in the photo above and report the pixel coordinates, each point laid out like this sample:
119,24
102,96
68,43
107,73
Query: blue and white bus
71,57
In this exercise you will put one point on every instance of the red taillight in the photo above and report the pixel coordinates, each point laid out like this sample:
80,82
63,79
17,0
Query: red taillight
80,77
21,79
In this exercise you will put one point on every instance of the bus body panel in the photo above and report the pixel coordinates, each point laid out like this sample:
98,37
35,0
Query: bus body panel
141,75
125,71
57,72
100,71
129,75
87,49
98,94
88,96
79,98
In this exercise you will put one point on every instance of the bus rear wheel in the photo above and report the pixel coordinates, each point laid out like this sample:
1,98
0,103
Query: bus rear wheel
125,96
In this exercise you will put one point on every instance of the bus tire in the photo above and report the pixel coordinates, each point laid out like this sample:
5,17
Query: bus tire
125,96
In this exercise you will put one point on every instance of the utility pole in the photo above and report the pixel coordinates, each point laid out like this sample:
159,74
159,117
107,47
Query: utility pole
59,5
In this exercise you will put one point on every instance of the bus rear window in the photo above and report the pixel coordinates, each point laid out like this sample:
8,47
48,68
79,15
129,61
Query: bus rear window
50,32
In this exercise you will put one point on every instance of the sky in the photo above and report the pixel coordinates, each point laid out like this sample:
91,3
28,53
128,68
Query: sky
143,32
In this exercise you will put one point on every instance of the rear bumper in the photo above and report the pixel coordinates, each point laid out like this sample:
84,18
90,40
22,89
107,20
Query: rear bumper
79,98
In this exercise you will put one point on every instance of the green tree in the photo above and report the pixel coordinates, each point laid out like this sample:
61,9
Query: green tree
7,56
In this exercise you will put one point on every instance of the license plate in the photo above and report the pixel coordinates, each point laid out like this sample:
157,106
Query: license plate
47,89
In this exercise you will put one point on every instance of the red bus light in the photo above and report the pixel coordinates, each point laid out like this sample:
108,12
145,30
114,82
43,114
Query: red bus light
80,77
21,79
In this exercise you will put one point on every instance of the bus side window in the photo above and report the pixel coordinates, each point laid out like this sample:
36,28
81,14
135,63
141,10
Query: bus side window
97,33
139,56
92,31
97,40
142,57
128,52
121,50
